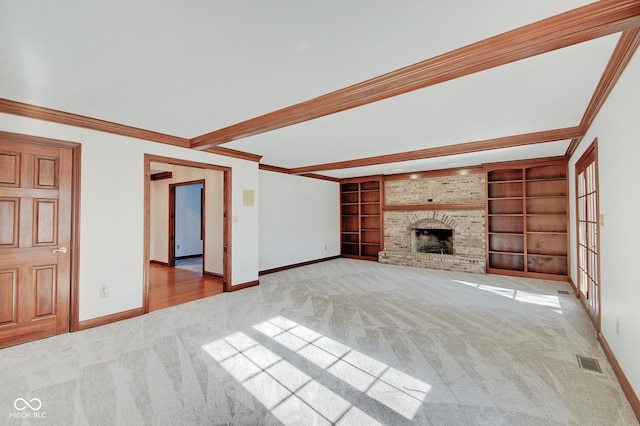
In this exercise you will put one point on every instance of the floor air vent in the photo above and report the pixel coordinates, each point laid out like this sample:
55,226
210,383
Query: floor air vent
589,363
563,292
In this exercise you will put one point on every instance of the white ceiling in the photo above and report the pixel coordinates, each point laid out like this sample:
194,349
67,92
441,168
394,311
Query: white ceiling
191,67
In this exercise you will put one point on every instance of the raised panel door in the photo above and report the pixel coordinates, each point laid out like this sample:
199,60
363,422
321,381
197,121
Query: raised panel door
35,223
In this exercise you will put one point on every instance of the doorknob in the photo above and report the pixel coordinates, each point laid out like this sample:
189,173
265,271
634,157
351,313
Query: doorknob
60,250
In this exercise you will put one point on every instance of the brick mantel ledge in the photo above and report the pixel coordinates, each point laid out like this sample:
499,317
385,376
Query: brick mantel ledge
430,206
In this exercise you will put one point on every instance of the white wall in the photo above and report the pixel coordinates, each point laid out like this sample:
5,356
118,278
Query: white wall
617,128
188,220
214,209
112,212
299,219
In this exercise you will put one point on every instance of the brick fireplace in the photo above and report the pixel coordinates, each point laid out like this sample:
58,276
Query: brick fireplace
432,236
435,222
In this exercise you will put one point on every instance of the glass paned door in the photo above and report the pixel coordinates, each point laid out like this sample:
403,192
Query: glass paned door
587,232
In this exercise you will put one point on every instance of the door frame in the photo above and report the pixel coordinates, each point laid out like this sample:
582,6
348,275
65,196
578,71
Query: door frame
172,220
226,218
74,255
591,151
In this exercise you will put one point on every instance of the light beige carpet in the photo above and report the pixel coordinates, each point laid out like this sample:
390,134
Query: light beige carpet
340,342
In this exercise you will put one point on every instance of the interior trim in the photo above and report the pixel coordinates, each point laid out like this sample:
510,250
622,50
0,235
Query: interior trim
521,274
60,117
227,152
585,23
297,265
213,275
243,285
274,169
108,319
41,113
161,176
448,206
626,47
442,151
286,171
74,322
634,401
459,171
529,162
573,286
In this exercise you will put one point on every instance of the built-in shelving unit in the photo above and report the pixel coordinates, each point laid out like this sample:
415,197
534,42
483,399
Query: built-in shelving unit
527,217
361,228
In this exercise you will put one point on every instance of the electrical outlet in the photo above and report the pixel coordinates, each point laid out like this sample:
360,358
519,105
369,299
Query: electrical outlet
177,246
104,291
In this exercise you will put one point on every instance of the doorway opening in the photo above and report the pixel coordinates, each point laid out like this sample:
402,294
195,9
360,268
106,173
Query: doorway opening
187,206
186,224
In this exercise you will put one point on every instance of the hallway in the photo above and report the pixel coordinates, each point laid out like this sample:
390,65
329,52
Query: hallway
173,286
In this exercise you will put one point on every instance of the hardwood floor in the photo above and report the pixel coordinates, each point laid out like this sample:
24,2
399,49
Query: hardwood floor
173,286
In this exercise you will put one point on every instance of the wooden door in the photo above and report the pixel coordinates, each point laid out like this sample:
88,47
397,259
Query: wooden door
587,233
35,240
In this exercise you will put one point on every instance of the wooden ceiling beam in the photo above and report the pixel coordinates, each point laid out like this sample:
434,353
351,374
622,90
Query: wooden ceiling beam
442,151
622,54
286,171
227,152
594,20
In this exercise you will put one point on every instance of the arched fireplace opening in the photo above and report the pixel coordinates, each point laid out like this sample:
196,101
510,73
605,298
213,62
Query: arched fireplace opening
432,236
433,241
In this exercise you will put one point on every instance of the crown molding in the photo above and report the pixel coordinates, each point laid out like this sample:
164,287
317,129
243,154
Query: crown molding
286,171
594,20
528,162
462,148
428,174
41,113
622,54
61,117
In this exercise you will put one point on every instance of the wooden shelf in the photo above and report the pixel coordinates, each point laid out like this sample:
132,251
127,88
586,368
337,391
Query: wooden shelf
514,262
505,189
361,234
512,243
527,218
501,175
